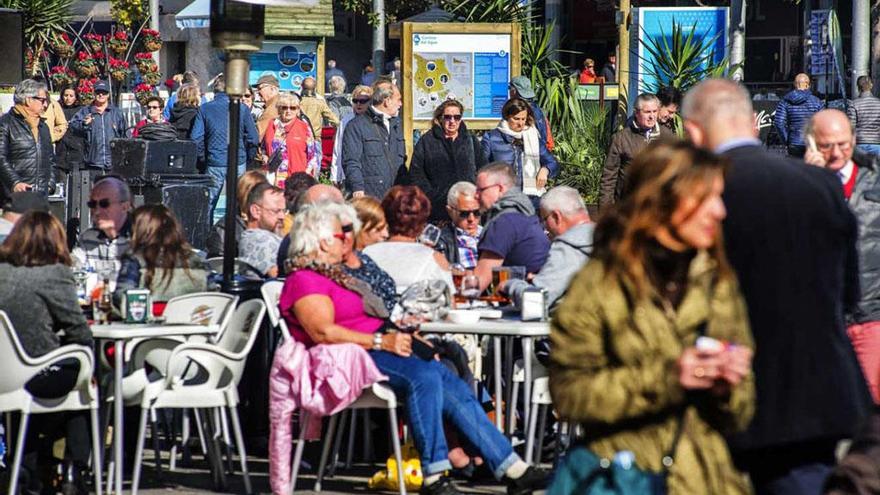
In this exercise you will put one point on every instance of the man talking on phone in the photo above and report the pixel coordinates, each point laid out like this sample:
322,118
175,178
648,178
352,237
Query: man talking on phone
27,161
830,135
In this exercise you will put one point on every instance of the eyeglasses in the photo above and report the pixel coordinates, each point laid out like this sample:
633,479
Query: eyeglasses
274,211
360,101
449,118
481,189
153,107
42,99
285,108
101,203
348,229
468,213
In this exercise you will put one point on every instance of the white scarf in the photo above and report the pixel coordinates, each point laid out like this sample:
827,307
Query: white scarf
531,159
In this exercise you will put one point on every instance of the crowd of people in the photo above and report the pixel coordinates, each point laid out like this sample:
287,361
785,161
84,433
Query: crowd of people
719,321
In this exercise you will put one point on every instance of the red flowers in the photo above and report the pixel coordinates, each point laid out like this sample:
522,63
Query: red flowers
115,63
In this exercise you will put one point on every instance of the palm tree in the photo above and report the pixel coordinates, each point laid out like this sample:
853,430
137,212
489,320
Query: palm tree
42,20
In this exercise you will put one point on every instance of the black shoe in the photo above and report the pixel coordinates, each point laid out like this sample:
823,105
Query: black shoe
443,486
533,479
73,481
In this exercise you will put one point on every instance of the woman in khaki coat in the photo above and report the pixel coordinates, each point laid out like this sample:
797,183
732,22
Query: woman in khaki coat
625,362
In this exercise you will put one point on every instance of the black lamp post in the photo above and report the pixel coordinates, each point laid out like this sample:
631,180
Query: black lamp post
237,29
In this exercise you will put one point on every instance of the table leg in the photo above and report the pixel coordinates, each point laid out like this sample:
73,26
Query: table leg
496,349
117,413
527,385
508,381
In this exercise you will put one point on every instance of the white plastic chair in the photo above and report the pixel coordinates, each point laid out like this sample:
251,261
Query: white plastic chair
19,368
540,398
271,291
519,376
378,396
223,364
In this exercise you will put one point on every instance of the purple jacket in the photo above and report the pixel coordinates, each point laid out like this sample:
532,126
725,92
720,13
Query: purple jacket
321,381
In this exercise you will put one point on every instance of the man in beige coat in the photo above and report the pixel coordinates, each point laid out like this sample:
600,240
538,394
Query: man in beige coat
316,108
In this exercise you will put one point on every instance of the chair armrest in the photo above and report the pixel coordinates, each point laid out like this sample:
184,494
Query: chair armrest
184,353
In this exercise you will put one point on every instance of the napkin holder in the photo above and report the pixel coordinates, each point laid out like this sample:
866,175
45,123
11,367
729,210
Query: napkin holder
534,304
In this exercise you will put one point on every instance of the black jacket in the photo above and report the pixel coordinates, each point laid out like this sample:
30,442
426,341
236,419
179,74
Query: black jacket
182,119
371,154
790,236
448,244
69,151
23,159
865,204
438,163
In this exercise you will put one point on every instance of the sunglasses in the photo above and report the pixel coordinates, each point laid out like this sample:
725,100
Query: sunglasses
41,98
283,108
101,203
361,101
347,229
468,213
450,118
153,107
102,93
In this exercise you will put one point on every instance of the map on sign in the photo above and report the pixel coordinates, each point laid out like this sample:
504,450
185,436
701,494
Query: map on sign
437,77
471,68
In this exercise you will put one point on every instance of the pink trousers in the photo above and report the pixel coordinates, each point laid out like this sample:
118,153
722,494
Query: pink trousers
865,338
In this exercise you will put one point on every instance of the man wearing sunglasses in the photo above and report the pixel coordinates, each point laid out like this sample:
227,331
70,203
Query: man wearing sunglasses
27,161
99,123
458,240
101,247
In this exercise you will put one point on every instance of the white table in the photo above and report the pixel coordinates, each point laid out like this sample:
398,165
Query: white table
508,326
118,333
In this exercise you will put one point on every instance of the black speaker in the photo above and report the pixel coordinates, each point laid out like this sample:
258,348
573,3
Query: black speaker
12,41
188,200
137,158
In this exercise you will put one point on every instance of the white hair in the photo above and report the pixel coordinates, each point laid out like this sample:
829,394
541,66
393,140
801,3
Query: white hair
564,199
337,85
313,224
346,214
463,188
28,88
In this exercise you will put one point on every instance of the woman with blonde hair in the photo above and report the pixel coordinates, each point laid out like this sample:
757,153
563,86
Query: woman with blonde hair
651,346
289,145
374,228
185,109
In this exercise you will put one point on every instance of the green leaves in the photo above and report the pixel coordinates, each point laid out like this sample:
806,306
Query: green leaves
682,60
42,19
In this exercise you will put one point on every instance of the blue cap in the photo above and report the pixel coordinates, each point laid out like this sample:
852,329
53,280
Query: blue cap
102,86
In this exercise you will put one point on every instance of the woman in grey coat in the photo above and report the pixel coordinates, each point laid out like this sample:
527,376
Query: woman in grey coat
38,293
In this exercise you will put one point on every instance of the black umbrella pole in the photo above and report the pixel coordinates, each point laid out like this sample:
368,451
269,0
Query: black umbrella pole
229,246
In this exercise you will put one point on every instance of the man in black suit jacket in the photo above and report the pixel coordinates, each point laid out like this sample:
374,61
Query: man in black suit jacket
791,239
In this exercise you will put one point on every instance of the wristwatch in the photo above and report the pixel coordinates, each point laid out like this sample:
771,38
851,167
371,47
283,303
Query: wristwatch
377,341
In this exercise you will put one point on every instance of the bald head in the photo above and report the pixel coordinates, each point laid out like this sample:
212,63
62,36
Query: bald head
322,192
833,133
801,81
716,111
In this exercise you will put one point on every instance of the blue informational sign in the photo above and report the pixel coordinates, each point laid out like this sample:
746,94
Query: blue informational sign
471,68
656,23
290,62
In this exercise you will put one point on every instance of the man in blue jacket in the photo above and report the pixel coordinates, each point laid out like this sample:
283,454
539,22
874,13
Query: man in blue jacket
211,134
99,123
793,112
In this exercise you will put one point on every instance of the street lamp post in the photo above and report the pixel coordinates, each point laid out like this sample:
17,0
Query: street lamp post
237,29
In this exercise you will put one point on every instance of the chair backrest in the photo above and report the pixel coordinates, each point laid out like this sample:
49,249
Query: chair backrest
206,308
271,291
239,337
240,267
15,366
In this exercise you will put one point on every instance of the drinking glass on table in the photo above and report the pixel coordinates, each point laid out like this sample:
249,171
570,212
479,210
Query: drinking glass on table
458,273
470,288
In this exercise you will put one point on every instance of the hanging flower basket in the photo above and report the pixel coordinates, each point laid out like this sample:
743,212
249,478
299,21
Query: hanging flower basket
95,42
143,91
61,45
145,62
151,39
119,43
61,76
119,69
151,78
86,91
85,65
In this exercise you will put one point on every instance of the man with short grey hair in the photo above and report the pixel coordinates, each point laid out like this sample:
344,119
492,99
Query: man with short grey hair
864,113
27,159
626,144
373,149
101,247
338,102
566,219
459,239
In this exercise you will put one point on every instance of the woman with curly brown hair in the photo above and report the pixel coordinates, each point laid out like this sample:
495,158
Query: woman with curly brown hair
627,361
402,256
160,259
